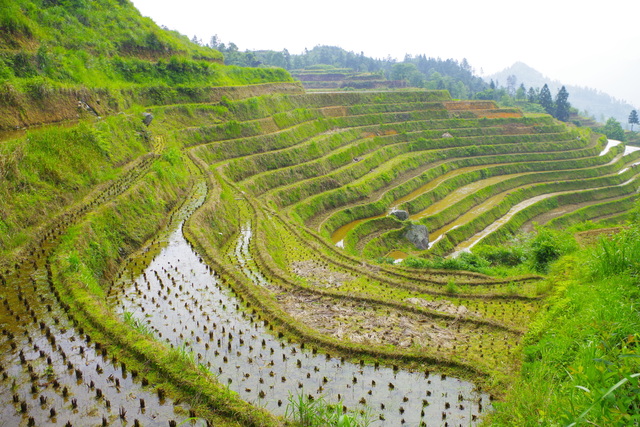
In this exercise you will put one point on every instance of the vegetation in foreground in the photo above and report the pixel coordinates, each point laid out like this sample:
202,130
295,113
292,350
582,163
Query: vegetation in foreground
581,359
581,354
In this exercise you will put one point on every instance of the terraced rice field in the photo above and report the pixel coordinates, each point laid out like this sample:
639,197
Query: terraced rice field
246,280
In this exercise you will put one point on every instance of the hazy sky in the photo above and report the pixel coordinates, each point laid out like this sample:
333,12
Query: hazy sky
567,40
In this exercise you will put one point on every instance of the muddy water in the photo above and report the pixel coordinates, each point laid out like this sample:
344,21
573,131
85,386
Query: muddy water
338,236
466,217
53,373
398,256
459,194
184,304
470,243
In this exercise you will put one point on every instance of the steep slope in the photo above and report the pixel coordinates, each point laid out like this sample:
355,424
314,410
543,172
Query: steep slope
79,198
61,59
108,315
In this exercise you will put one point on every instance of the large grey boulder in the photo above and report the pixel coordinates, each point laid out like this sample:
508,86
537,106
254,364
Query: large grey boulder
147,118
401,215
418,235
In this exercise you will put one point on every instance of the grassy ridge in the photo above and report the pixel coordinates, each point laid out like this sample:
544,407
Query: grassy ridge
54,54
581,356
50,169
358,190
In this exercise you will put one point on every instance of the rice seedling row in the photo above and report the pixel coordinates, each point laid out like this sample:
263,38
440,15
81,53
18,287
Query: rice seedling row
184,303
53,371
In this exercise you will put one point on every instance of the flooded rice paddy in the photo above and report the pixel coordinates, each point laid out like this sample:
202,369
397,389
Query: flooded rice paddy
462,192
53,372
184,304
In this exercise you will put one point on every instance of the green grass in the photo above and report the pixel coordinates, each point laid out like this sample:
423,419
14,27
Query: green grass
617,255
136,324
582,356
319,413
54,53
52,168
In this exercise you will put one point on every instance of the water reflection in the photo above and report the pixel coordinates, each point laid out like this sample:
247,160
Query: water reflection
184,304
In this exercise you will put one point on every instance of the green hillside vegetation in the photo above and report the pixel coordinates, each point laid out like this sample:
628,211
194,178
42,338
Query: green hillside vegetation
100,307
323,66
591,102
102,53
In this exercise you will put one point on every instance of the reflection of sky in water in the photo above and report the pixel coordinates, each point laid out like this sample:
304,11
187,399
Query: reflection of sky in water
628,149
610,143
191,308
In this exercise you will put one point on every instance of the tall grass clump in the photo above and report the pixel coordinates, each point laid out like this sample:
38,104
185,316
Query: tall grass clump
582,353
137,324
316,412
617,254
547,246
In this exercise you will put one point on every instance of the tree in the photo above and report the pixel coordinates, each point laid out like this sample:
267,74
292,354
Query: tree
287,59
521,93
403,71
562,105
613,129
214,42
512,80
546,101
533,95
633,118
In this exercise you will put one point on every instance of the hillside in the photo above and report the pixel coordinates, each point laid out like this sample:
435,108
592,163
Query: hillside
212,243
325,77
101,56
596,103
355,70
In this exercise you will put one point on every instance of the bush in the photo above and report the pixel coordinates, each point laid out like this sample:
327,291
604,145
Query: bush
548,245
510,255
464,261
616,255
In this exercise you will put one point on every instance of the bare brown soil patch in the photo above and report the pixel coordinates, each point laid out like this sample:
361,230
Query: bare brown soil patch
320,275
590,237
363,324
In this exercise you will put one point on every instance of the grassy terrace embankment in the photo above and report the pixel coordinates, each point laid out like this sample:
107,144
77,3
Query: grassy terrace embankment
80,200
329,157
282,172
323,155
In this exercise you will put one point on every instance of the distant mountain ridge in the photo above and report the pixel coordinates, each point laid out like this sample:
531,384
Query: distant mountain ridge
596,103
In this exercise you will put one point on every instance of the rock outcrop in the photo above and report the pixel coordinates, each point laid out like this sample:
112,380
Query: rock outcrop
147,118
418,235
401,215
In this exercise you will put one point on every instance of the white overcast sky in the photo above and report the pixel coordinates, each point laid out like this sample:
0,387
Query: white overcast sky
585,43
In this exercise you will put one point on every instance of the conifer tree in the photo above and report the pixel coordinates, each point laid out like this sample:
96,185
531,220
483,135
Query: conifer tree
546,100
562,105
633,118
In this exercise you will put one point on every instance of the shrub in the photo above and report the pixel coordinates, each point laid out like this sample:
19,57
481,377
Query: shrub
510,255
464,261
616,255
547,246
